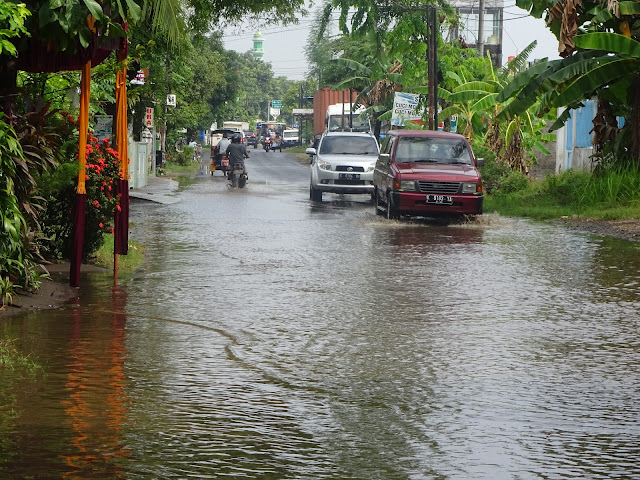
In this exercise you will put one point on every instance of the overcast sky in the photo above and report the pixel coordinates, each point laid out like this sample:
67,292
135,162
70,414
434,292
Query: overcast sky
284,46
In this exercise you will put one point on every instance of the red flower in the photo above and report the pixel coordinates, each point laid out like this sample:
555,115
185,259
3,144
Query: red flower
96,203
119,208
100,225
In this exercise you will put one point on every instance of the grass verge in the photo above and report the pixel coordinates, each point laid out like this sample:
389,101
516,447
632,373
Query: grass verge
611,195
126,263
171,168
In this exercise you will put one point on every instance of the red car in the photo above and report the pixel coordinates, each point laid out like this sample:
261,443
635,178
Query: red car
427,173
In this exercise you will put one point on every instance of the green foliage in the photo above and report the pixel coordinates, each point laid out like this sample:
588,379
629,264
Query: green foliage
7,291
102,172
609,195
16,261
63,24
513,182
183,158
12,19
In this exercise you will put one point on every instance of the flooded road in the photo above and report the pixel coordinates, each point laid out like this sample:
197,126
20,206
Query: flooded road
268,337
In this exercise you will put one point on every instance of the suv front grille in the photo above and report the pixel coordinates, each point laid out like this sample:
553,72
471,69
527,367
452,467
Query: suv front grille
345,168
448,188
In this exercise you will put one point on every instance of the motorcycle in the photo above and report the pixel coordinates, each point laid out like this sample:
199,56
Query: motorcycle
267,143
237,177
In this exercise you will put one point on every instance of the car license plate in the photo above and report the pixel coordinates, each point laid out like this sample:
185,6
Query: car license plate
349,176
440,199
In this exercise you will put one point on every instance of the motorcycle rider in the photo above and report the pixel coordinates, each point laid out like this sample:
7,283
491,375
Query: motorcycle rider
237,152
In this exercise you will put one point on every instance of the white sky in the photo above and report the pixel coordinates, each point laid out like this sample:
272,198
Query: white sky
284,46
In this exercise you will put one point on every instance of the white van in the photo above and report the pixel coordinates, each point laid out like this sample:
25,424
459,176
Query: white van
289,138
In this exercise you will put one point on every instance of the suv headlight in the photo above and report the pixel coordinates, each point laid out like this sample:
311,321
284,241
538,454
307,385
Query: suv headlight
469,187
408,185
371,167
324,165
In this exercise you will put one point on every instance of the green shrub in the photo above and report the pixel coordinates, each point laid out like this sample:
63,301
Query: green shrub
513,182
566,188
492,172
183,158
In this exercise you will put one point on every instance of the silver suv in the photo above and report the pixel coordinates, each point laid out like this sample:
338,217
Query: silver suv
342,163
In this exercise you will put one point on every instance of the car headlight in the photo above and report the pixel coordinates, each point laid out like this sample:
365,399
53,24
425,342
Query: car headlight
324,165
408,185
469,187
371,167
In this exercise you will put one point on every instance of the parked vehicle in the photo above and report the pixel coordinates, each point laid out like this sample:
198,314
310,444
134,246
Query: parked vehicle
237,177
289,138
342,163
427,173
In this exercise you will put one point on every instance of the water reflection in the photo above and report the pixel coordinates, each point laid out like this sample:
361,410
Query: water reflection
83,405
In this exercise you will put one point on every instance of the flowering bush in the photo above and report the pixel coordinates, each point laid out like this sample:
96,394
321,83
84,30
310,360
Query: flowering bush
102,172
101,176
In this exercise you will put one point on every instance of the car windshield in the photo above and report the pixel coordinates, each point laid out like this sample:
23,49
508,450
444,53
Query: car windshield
348,145
432,150
336,123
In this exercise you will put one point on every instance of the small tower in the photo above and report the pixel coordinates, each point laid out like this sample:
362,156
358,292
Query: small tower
258,51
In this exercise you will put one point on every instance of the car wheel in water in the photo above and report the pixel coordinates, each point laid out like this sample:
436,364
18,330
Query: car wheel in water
390,211
380,209
314,194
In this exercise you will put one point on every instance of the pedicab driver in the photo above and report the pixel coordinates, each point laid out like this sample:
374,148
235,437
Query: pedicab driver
237,152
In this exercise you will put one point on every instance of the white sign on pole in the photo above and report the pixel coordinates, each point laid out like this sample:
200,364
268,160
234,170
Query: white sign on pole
171,100
405,109
274,112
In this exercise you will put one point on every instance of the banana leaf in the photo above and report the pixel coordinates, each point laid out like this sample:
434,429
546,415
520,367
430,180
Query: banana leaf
352,65
562,118
523,79
629,8
481,86
597,78
610,42
485,102
466,96
442,93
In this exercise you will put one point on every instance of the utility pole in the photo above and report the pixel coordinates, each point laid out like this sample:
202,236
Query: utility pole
481,29
300,117
432,65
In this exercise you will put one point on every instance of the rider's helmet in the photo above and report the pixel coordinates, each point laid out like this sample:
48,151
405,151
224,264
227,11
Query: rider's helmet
236,138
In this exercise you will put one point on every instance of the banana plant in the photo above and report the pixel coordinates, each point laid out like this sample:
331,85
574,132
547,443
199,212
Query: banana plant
376,86
608,67
514,140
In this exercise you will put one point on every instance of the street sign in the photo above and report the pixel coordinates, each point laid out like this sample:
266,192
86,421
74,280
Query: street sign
148,117
171,100
276,104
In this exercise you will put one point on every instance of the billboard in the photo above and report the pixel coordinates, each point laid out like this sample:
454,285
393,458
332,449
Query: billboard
405,109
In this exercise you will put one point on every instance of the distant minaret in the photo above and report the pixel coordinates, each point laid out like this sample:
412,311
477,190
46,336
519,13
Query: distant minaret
258,51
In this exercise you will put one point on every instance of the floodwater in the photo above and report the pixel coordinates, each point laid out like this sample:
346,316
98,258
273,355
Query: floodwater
271,338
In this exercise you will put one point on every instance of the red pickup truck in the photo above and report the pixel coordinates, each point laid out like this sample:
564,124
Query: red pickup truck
427,173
